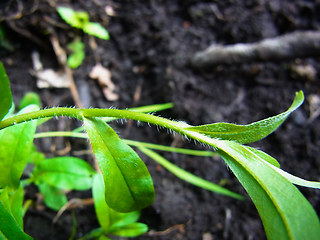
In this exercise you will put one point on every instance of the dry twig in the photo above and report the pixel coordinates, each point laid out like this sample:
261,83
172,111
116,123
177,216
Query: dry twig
293,45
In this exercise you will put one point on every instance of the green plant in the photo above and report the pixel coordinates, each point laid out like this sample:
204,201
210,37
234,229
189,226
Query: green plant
128,187
80,20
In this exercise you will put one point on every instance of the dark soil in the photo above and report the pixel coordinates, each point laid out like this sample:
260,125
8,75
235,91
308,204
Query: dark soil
150,48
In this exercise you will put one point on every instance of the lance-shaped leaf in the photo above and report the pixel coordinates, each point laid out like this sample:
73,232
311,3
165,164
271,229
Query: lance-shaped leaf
284,211
69,173
15,145
251,132
128,184
5,93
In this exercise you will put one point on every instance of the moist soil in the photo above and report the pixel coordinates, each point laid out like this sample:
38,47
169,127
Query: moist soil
148,55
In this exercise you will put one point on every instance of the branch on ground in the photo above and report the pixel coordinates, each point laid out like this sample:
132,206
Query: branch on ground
289,46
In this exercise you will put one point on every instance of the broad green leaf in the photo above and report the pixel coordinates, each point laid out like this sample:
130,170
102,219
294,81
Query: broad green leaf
15,146
53,197
95,29
9,228
251,132
78,54
5,93
284,211
130,230
73,18
128,184
188,177
65,173
29,99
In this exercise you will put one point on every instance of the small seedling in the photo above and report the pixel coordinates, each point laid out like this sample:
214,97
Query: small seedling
80,20
125,185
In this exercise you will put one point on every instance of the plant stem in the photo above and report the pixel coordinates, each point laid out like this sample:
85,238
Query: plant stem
80,113
175,126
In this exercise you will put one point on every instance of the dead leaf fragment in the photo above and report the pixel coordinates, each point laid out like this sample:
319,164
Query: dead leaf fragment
103,75
314,106
48,78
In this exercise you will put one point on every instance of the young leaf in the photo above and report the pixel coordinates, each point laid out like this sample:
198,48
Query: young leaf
251,132
284,211
78,54
100,205
110,220
13,202
188,177
16,205
128,184
95,29
64,173
9,228
5,93
75,19
15,145
53,197
29,99
130,230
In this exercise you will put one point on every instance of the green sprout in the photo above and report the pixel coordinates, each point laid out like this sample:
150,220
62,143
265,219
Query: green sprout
80,20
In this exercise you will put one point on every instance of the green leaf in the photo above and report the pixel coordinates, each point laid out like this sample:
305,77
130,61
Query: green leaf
78,54
109,219
65,173
73,18
16,205
29,99
95,29
100,205
266,157
251,132
284,211
130,230
15,146
293,179
13,202
128,184
53,197
189,177
9,228
5,93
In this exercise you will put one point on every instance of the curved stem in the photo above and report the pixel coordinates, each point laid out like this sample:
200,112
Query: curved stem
178,127
80,113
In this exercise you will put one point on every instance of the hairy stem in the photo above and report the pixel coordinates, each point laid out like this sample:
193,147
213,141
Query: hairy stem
80,113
